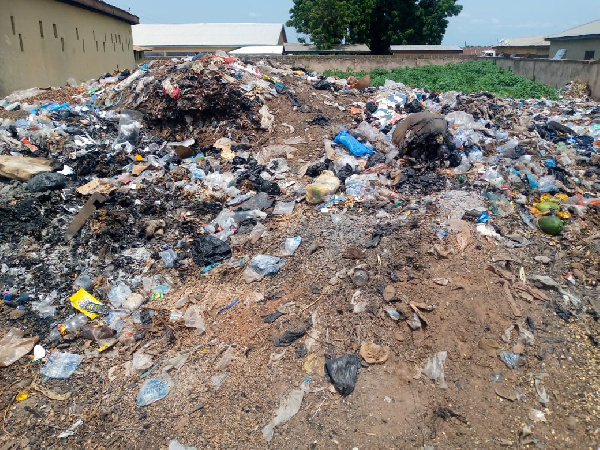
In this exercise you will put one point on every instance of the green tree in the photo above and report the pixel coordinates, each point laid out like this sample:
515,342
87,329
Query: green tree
377,23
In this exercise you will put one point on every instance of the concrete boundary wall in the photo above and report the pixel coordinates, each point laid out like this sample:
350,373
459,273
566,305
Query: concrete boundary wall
556,73
358,63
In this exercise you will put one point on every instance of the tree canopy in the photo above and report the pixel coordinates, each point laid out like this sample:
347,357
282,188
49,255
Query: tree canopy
377,23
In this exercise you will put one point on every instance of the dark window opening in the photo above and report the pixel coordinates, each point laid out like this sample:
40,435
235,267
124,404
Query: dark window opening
589,54
83,42
12,24
114,47
111,38
97,46
41,29
21,42
55,30
94,34
122,47
104,46
62,44
77,33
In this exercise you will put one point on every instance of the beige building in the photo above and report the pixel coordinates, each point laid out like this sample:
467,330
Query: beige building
424,51
46,42
191,38
525,47
579,43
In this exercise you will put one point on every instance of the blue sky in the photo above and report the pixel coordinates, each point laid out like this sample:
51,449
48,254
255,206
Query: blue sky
482,22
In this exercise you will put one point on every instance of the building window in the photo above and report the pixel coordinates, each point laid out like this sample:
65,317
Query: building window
589,54
122,47
97,46
94,34
83,42
104,46
12,24
77,33
21,42
55,30
111,38
62,43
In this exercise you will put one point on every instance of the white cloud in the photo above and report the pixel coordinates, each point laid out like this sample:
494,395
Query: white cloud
255,14
476,21
495,20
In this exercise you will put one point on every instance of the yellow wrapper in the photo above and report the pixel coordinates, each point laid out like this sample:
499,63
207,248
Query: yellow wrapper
85,302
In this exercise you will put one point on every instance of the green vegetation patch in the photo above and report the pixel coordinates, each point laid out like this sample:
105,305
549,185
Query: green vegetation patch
467,77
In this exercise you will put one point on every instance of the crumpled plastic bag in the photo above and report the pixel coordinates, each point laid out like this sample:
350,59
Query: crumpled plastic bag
13,346
288,408
434,369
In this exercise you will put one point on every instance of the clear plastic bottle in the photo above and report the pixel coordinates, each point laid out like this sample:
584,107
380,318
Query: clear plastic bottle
75,323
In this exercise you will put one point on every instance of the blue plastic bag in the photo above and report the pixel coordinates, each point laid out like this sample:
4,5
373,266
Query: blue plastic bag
355,147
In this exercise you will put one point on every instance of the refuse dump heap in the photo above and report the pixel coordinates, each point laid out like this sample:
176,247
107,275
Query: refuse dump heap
219,252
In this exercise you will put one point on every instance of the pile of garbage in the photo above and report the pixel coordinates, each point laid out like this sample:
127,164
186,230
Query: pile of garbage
113,200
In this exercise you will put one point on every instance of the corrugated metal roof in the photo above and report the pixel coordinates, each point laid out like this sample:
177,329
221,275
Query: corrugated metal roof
102,7
531,41
259,50
592,28
347,48
207,34
429,48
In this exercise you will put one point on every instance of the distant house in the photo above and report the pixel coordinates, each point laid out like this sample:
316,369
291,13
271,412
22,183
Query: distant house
46,42
580,43
425,50
258,50
192,38
307,49
525,47
475,50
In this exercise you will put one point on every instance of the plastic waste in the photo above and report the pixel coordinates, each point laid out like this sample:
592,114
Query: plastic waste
288,408
262,265
342,372
48,181
176,445
118,294
154,389
133,302
290,336
130,124
283,208
13,346
257,232
359,276
193,319
97,332
325,184
291,245
141,361
86,303
74,324
61,365
207,249
358,185
169,257
352,144
434,369
461,119
513,360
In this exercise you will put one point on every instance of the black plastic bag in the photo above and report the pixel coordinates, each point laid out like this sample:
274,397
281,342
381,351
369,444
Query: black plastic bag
342,372
207,250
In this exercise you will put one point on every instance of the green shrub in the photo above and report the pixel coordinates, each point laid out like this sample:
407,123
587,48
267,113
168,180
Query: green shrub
467,77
